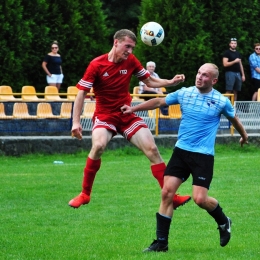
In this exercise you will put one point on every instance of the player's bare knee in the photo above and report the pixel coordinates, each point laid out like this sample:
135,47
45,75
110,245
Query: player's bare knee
200,201
154,150
98,148
166,194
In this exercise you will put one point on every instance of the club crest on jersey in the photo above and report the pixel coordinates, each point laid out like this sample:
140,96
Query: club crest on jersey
211,103
123,71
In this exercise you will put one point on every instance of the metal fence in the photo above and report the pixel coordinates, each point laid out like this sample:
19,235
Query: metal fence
249,114
247,111
157,123
88,110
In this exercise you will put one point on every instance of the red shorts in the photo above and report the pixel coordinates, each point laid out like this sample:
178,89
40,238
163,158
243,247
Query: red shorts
125,124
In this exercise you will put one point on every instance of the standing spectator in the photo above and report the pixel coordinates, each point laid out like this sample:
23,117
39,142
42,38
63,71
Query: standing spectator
193,154
254,61
52,66
110,75
234,71
144,89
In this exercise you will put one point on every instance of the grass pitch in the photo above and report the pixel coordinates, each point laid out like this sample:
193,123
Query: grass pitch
119,222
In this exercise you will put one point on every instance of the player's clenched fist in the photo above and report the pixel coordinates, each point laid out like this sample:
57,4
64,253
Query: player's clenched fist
178,79
76,131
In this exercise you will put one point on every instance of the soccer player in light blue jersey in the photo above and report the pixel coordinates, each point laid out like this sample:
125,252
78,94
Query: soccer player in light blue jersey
201,107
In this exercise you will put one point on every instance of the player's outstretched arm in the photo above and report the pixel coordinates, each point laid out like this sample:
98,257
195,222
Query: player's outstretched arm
147,105
240,128
152,82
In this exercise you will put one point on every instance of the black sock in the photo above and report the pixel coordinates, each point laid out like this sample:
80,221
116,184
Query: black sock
163,227
218,215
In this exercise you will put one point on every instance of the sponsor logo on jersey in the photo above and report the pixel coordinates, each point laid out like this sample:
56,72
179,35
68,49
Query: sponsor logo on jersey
123,71
105,74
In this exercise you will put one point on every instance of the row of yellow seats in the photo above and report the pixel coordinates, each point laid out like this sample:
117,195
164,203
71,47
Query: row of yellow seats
136,93
44,110
174,110
28,93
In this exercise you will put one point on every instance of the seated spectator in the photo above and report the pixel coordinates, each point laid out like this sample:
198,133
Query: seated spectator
143,89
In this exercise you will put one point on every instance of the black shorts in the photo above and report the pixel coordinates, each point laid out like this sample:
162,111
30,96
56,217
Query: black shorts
256,84
183,163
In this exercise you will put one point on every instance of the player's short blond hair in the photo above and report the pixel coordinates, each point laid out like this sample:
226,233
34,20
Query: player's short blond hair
121,34
214,69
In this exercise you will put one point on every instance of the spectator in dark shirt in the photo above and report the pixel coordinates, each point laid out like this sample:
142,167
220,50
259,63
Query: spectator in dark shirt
234,71
52,66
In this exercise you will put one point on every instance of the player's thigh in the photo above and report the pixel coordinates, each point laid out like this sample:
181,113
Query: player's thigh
143,139
100,139
171,184
199,194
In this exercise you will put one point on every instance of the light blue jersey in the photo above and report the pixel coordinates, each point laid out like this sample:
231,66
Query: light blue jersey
254,62
200,118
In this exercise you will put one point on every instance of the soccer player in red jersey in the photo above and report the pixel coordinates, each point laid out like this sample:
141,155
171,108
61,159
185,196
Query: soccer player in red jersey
110,76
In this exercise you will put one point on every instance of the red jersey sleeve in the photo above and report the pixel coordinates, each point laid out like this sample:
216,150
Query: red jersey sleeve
140,72
88,78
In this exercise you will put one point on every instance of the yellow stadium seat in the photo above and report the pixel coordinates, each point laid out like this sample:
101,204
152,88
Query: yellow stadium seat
52,94
136,91
44,110
65,111
32,93
20,110
9,93
88,110
174,112
72,92
2,112
152,113
163,89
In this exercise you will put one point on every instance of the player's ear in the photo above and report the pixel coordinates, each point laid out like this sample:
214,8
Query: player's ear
115,42
214,81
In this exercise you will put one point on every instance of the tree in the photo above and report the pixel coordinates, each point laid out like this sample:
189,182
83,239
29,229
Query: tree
239,19
28,29
121,15
16,44
186,44
197,32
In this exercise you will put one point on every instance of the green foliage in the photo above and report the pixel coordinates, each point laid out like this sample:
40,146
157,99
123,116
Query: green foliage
121,15
28,29
119,222
197,32
14,36
238,19
81,35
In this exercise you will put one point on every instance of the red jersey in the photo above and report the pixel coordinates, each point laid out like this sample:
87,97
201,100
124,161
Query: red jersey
110,81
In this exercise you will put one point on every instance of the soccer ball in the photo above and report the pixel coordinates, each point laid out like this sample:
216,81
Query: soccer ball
152,34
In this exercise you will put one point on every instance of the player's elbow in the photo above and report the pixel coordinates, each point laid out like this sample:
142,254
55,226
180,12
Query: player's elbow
161,102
